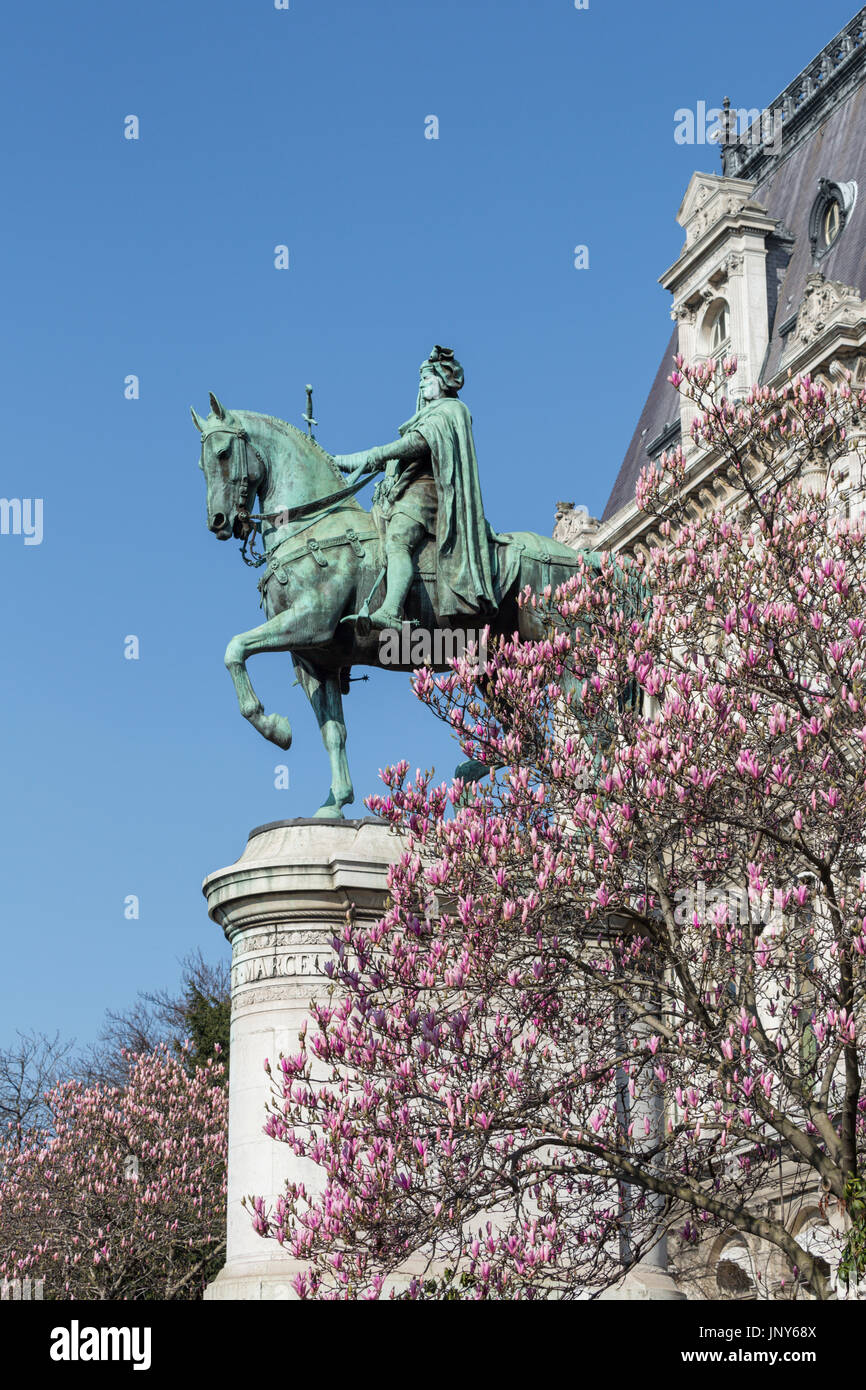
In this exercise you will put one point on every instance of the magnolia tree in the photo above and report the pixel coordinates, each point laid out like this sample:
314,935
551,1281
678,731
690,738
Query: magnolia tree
123,1195
619,989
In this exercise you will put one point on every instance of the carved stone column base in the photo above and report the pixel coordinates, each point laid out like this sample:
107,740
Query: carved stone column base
279,906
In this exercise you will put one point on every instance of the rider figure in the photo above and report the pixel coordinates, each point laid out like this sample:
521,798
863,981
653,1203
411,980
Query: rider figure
431,488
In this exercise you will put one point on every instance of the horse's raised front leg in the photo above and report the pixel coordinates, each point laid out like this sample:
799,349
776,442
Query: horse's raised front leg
324,695
276,635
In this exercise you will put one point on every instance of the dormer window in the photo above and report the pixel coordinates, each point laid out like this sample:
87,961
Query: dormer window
830,211
831,225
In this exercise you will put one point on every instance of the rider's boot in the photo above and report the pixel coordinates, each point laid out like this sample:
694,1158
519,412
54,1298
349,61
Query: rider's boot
398,579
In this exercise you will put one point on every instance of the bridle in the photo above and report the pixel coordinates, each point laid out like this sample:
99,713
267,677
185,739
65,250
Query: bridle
240,478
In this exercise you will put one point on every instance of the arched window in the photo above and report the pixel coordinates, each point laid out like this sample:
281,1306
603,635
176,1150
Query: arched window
734,1274
822,1243
717,328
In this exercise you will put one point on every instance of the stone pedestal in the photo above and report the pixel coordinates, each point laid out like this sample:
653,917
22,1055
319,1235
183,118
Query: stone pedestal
645,1281
279,907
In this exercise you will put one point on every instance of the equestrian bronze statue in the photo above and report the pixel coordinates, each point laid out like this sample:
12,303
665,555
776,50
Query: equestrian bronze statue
336,578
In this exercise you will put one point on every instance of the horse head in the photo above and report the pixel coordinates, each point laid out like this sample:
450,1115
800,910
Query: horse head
233,468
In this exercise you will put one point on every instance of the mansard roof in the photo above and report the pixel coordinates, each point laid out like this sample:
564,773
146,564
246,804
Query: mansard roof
662,408
823,137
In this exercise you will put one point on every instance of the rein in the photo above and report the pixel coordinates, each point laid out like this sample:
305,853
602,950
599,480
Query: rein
307,508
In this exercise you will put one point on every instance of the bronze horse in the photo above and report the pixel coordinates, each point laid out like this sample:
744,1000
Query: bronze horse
322,567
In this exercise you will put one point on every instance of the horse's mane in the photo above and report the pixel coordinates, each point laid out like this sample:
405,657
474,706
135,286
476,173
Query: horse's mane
283,427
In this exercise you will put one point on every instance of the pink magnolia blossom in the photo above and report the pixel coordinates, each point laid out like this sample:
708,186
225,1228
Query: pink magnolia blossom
123,1196
633,959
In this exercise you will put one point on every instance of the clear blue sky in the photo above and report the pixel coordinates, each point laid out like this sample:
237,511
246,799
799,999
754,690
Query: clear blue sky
155,257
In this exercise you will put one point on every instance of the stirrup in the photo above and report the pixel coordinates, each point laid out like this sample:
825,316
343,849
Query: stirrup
362,619
388,621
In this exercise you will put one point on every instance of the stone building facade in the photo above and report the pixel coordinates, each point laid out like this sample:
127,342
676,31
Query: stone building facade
772,272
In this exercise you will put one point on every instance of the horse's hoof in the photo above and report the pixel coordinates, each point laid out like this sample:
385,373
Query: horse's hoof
333,810
278,730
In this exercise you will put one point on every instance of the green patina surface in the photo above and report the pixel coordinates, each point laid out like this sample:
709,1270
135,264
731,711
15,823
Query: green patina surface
335,576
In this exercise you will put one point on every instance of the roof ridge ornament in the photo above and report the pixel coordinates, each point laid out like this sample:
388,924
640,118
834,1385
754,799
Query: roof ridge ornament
826,81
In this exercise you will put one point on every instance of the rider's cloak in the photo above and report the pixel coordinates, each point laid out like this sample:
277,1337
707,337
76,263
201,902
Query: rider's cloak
465,581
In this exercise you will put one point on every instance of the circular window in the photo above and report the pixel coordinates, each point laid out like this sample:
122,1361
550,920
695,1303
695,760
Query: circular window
830,212
831,225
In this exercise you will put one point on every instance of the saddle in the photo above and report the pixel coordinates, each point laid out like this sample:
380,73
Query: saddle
515,556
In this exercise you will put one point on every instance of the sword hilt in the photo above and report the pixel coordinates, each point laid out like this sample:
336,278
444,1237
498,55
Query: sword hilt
309,413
